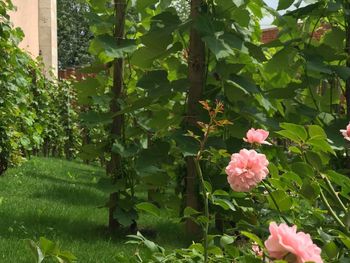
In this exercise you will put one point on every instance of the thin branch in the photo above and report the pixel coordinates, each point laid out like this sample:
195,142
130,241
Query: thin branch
331,211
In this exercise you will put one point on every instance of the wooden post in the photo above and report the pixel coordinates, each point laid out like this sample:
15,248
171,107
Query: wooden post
196,65
347,86
346,7
115,165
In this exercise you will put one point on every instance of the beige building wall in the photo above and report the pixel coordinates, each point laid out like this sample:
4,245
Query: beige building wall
38,20
27,18
48,34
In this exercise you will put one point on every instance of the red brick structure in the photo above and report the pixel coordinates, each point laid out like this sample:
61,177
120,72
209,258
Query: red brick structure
73,73
269,34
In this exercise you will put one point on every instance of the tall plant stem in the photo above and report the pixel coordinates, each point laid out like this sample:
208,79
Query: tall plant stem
196,76
346,6
331,211
336,195
202,183
274,201
115,165
206,207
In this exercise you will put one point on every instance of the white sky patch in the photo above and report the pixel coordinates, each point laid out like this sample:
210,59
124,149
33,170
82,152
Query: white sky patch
267,21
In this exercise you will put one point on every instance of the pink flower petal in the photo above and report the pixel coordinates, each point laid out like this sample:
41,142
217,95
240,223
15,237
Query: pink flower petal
284,240
246,169
258,136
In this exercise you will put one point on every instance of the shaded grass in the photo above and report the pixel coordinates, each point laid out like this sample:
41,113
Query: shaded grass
59,200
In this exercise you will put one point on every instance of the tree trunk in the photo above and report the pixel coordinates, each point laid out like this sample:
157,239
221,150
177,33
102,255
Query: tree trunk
114,167
347,87
196,64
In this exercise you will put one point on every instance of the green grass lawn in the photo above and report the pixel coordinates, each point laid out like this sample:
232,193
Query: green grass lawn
59,200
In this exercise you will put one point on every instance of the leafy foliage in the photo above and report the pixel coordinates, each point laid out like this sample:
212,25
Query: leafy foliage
73,33
48,249
36,113
292,86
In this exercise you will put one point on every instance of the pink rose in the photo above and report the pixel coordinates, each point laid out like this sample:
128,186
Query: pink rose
346,133
257,136
286,243
257,250
246,169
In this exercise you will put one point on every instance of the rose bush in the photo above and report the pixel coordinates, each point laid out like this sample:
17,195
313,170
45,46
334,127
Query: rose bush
301,192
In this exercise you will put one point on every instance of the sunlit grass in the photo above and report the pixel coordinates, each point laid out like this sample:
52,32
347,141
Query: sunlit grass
59,200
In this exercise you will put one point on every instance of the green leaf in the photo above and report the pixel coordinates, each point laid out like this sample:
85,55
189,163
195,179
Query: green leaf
189,212
47,246
108,44
86,89
151,246
141,5
287,55
154,79
284,202
294,149
340,180
150,160
292,177
331,250
273,170
289,135
144,57
159,37
244,83
310,190
92,151
342,71
238,3
208,187
242,16
224,203
282,93
295,129
303,11
315,130
318,66
187,145
220,193
314,160
303,169
345,239
226,240
217,46
234,41
149,208
134,105
335,38
284,4
319,143
234,92
67,257
92,118
36,251
215,251
253,237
